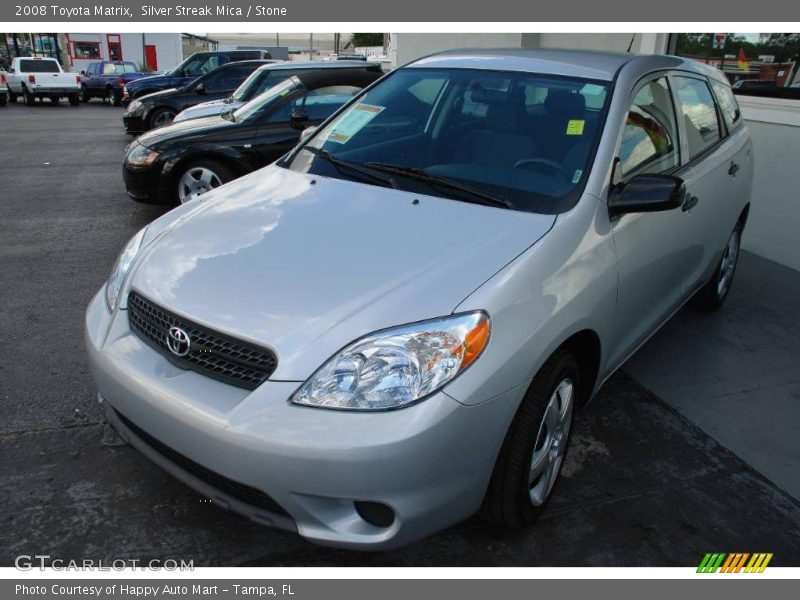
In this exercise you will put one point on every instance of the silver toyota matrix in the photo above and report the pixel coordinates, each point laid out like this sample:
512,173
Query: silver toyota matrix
392,327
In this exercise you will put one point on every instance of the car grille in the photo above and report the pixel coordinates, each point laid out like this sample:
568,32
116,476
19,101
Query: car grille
210,353
244,493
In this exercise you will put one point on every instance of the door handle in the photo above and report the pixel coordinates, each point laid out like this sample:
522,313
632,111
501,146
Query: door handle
690,202
733,169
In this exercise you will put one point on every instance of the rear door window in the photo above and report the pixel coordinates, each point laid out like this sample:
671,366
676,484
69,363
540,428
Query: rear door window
698,112
727,104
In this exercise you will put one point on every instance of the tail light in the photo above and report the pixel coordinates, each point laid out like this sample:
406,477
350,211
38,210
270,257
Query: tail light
31,79
77,78
122,81
2,78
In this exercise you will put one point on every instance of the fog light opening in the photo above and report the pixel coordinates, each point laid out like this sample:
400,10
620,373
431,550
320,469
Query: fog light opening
374,513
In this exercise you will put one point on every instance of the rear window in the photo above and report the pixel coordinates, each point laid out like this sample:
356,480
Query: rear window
39,66
118,68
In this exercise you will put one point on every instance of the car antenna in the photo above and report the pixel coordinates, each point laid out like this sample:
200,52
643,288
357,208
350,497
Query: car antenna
633,37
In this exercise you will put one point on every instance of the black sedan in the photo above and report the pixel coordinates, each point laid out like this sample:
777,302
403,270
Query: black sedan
159,108
181,161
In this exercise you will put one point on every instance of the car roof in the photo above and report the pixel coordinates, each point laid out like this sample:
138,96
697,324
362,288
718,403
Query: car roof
249,61
319,64
585,64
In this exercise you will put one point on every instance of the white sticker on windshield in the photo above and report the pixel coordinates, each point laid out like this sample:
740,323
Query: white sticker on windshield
576,176
354,121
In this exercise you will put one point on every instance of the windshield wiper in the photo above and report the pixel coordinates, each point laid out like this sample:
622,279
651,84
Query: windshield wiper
343,164
434,180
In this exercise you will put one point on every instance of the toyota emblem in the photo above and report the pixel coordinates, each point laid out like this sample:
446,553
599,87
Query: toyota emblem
178,341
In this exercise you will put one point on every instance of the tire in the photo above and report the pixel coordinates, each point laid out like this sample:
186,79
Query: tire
515,498
160,117
116,97
12,97
713,294
3,99
200,177
30,99
74,99
85,97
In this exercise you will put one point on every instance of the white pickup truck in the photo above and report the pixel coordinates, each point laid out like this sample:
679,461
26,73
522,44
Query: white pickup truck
35,77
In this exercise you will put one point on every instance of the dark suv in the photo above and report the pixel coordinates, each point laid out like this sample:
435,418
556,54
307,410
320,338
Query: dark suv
190,69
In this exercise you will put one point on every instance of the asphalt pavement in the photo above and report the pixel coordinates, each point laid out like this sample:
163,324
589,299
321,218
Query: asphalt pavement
642,486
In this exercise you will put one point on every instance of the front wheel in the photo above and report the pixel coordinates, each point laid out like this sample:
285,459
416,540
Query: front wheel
161,116
713,294
534,448
74,100
201,177
85,97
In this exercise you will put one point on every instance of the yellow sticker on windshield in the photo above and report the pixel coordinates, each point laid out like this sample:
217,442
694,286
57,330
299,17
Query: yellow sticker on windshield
575,126
353,121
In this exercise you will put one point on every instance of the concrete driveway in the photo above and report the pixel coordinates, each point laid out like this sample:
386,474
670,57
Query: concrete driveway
643,483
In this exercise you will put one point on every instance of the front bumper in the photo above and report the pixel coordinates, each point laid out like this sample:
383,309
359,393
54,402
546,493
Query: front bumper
145,184
430,463
135,123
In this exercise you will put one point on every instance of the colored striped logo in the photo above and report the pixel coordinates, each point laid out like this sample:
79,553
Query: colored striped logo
734,563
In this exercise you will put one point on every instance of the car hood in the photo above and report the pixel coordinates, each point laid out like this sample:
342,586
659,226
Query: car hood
152,79
160,94
161,135
305,264
214,107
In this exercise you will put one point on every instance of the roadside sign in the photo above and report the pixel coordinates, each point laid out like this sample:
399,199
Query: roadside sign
718,42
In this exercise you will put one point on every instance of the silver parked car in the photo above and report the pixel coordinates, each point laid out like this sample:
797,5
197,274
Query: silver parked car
392,327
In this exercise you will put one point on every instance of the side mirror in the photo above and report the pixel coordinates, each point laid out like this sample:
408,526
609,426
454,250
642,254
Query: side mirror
83,72
298,119
647,193
307,133
200,88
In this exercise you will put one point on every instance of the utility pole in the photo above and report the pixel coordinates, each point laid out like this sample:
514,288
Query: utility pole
310,46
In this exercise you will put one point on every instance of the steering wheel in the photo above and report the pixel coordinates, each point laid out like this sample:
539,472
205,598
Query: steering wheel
542,162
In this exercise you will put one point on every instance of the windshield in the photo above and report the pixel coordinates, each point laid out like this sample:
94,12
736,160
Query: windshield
118,68
520,140
196,65
267,99
257,83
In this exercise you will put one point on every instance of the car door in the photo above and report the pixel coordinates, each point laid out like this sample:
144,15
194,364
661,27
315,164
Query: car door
710,177
654,255
92,75
279,131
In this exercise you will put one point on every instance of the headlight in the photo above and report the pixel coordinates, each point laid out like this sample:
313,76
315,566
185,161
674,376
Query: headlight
141,156
399,366
120,270
134,106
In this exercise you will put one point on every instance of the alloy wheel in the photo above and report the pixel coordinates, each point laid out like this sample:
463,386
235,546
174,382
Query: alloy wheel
196,182
728,265
164,117
551,442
